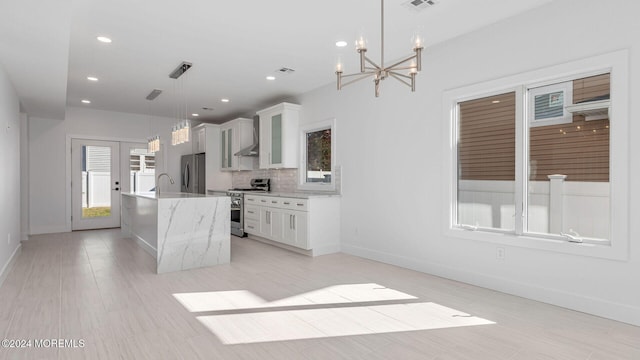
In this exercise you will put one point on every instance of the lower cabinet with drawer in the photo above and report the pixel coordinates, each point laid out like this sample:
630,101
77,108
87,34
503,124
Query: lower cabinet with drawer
311,224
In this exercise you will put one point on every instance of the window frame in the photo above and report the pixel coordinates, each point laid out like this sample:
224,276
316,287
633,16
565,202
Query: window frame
313,127
615,63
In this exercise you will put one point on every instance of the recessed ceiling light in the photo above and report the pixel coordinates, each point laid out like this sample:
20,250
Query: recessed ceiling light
104,39
271,77
195,115
341,43
85,101
224,100
92,78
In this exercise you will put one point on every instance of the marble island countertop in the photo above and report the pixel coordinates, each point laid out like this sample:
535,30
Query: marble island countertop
167,195
181,230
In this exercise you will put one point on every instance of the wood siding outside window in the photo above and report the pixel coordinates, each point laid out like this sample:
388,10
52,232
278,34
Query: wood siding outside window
487,142
580,150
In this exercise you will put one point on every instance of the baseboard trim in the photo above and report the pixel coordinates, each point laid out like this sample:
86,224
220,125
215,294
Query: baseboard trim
590,305
146,246
6,269
49,230
280,245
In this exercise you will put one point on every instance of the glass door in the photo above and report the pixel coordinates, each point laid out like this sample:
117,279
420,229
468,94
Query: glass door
276,139
137,167
95,184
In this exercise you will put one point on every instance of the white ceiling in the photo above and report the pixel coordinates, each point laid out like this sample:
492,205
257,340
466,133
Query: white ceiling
49,48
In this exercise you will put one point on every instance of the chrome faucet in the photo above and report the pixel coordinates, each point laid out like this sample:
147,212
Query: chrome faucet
158,182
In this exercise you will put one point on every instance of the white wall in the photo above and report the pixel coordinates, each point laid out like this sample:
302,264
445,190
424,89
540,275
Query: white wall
49,153
390,150
10,172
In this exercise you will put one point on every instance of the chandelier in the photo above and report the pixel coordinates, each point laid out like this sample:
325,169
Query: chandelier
380,72
153,144
180,132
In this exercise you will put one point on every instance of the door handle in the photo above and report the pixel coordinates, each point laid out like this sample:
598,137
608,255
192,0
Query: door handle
185,176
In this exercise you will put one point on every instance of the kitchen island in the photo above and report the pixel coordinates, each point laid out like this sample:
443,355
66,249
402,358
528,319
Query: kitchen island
182,231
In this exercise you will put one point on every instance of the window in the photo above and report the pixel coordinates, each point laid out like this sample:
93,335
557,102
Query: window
317,168
522,174
486,161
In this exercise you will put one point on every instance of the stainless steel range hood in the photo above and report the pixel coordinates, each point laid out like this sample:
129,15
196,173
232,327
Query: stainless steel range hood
252,150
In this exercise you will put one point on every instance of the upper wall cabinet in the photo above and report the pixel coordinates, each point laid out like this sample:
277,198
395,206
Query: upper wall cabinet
279,136
206,139
234,136
199,139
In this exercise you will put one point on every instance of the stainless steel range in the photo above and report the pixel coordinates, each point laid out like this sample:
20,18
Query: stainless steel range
237,203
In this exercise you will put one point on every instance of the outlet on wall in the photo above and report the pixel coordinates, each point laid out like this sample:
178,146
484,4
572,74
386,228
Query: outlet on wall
500,253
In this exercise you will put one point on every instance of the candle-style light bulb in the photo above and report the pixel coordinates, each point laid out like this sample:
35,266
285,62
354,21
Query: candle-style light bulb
418,42
339,65
361,43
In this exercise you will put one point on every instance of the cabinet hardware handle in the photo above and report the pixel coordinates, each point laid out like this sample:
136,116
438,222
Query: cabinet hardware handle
294,221
287,203
263,200
290,221
250,212
299,204
274,202
251,200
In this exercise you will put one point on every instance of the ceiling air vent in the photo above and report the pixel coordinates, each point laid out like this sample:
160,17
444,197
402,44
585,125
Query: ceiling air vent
418,5
154,94
285,71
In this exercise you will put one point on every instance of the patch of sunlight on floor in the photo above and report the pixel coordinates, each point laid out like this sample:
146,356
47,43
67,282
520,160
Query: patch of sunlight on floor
254,319
243,299
270,326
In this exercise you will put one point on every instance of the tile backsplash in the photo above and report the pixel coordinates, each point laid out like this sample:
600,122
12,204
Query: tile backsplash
282,180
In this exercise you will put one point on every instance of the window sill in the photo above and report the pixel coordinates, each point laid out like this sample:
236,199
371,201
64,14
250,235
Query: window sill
325,187
611,252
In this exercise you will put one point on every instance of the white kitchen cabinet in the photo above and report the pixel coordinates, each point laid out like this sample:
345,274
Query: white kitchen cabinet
234,136
279,136
294,228
206,138
199,139
311,224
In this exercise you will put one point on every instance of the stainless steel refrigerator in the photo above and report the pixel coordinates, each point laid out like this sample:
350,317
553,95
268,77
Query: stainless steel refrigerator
193,174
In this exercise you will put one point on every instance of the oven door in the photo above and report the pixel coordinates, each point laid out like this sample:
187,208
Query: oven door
237,226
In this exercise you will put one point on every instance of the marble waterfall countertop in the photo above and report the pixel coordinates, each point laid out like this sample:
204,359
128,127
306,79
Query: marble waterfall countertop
182,231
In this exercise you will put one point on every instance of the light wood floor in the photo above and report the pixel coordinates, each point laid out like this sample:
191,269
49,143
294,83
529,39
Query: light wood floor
273,304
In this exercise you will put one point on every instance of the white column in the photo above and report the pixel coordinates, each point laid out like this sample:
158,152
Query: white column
556,192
